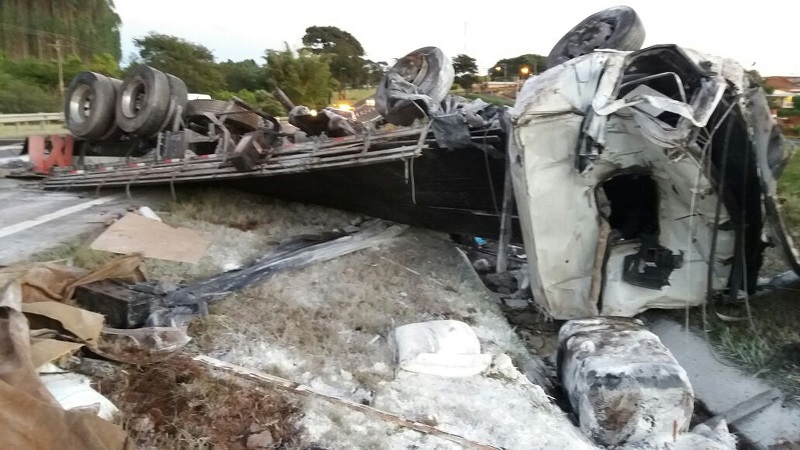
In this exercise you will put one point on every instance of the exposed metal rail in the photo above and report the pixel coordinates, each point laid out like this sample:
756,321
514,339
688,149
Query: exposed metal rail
317,155
18,120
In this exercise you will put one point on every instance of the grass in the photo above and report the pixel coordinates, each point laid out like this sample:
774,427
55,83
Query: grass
493,99
769,345
789,191
241,226
353,96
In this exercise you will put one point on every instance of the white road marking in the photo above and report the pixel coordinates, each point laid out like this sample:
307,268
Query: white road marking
16,228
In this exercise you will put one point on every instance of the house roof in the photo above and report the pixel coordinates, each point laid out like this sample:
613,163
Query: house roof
783,83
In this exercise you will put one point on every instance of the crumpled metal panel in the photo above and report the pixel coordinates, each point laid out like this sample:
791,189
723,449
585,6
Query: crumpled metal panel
573,109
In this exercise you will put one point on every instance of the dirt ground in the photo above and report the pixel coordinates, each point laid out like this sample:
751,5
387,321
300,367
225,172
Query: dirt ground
326,326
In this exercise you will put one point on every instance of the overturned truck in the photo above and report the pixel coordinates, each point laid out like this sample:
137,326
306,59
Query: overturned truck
643,178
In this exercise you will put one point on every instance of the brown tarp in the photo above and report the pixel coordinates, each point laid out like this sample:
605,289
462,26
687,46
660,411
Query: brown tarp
30,418
54,282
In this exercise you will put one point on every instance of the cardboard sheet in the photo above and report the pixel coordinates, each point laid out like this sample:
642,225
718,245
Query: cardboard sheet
31,417
136,234
85,325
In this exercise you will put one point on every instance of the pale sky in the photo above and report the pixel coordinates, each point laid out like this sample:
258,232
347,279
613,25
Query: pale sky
763,35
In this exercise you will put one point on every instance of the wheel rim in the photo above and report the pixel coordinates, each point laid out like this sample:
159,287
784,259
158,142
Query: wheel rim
133,98
80,104
590,38
412,67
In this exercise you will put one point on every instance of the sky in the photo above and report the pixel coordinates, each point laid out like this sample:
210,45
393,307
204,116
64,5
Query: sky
763,37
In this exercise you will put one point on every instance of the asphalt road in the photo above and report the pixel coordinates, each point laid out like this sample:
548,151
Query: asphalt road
32,220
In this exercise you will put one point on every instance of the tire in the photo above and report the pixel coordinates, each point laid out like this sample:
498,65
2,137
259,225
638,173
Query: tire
114,132
89,105
617,28
143,102
179,95
242,122
427,68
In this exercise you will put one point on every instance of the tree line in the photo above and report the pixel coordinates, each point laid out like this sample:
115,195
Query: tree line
331,59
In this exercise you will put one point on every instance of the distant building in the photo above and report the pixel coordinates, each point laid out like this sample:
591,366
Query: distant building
784,90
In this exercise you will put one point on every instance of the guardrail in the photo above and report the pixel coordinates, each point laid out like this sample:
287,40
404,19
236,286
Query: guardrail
17,120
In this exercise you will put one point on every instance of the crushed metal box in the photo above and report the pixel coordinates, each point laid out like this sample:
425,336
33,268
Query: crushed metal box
122,307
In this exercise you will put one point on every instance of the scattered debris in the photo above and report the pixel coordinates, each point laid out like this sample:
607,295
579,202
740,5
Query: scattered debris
152,238
73,392
31,417
176,401
181,304
446,348
146,212
306,390
623,384
150,339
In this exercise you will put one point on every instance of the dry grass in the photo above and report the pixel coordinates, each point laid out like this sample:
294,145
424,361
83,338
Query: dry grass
176,403
241,226
343,310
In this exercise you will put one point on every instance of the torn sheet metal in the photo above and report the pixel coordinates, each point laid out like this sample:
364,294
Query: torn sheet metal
644,141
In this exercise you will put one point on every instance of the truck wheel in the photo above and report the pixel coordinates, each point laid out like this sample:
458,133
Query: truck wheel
241,121
617,28
89,105
143,102
178,96
114,132
430,71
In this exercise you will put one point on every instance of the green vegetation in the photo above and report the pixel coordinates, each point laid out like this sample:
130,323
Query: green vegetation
767,341
36,28
510,68
33,34
466,69
493,99
788,112
306,78
193,63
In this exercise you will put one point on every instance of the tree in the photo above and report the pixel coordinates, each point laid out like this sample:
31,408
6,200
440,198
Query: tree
106,64
375,71
243,75
193,63
304,77
465,68
346,53
31,28
510,68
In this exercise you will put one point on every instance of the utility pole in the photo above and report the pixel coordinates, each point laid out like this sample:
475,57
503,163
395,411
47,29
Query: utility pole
57,46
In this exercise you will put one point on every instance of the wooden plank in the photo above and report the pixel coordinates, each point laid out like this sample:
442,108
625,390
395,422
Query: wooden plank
136,234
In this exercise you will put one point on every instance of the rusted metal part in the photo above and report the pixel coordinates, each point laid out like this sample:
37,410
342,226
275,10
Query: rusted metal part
44,157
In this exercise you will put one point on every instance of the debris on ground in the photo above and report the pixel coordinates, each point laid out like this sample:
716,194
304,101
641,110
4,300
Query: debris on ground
176,402
628,390
31,416
447,348
152,238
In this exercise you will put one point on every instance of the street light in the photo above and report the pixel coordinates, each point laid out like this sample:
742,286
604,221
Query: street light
504,67
524,71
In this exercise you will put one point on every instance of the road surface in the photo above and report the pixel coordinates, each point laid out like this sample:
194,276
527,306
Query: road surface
32,220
